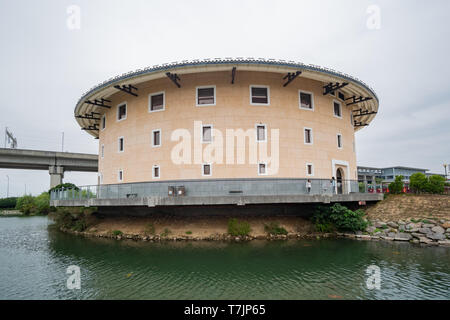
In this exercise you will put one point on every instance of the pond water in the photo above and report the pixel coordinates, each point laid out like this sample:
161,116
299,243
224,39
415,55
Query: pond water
34,257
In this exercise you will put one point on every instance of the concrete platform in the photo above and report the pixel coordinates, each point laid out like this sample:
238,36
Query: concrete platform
154,202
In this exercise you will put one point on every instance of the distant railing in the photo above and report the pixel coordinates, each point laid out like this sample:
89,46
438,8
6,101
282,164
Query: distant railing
216,187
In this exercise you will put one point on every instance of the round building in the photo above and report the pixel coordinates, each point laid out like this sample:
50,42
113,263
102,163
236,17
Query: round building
227,119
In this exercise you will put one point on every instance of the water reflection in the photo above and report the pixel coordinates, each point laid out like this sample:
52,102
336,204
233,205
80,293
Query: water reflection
37,256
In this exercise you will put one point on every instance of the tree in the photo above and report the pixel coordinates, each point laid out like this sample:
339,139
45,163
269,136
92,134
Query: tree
435,184
8,203
25,204
396,187
66,185
418,182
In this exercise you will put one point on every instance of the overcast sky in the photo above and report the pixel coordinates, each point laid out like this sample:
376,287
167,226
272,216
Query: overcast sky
46,66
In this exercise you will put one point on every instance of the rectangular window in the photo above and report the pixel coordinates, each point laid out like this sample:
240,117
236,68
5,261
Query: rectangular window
206,169
103,150
261,132
103,122
206,96
120,175
309,169
341,96
156,138
121,144
156,101
308,136
259,95
207,133
337,109
306,100
339,141
121,111
262,168
155,172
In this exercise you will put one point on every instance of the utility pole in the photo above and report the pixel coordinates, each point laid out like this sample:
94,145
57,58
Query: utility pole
25,190
7,187
445,167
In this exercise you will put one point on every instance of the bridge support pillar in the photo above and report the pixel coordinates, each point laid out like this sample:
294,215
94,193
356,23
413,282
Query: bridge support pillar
56,175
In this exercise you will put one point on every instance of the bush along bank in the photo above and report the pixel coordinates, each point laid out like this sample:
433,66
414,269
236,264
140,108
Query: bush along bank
29,205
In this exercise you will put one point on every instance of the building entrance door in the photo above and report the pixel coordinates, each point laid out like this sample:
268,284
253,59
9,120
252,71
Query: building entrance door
339,181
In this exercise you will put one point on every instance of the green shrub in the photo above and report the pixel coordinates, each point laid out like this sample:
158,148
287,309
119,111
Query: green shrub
346,219
42,203
34,205
188,232
64,219
435,184
275,229
149,229
362,187
418,182
8,203
238,228
80,225
25,204
324,227
166,232
117,233
396,187
76,219
339,217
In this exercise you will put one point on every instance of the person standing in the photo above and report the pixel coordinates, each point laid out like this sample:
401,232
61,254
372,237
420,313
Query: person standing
333,185
308,186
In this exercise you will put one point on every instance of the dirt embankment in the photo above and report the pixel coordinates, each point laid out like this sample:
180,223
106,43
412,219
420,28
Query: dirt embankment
402,207
193,227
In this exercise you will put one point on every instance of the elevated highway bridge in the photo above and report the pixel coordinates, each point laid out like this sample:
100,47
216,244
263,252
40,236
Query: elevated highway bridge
55,162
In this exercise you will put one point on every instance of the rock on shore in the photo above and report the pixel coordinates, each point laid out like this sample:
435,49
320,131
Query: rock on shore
425,231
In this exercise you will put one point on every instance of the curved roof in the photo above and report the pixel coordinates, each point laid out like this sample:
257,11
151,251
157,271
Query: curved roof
355,87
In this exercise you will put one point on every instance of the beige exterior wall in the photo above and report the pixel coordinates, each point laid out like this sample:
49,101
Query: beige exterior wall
232,111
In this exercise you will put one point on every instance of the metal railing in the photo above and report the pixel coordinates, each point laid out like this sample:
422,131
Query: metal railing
217,187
